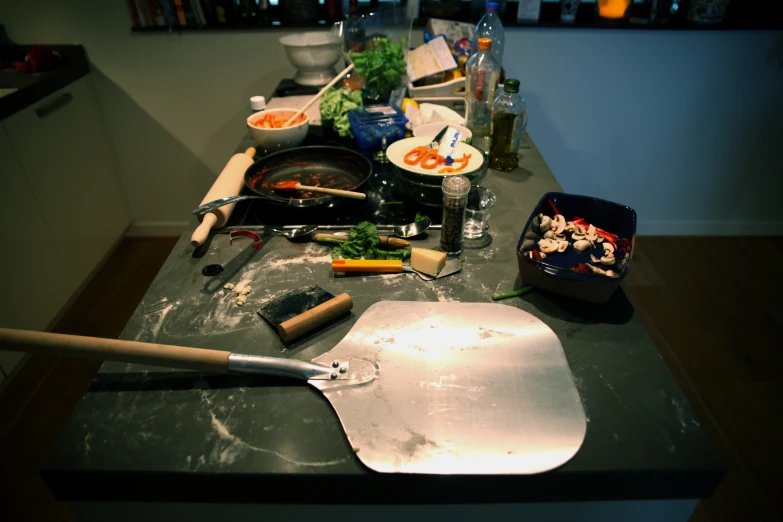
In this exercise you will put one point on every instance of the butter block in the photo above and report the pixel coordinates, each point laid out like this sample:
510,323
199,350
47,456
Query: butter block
428,261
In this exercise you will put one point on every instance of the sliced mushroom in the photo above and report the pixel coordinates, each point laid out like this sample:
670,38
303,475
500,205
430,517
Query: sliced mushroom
579,233
535,225
528,245
548,245
610,273
560,237
570,227
549,234
562,246
594,259
608,249
546,223
558,224
543,255
608,260
582,245
595,269
591,233
600,239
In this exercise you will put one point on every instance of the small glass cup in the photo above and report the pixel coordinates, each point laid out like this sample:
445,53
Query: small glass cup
481,201
568,9
383,134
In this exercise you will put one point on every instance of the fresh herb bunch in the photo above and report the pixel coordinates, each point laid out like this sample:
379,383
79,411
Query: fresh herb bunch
363,243
335,105
383,66
420,217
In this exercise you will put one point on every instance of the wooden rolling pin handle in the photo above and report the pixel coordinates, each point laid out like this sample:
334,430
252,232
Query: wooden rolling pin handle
202,231
228,183
315,317
199,359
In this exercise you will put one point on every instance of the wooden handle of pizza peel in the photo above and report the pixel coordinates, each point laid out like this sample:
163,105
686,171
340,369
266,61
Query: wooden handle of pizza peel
315,317
199,359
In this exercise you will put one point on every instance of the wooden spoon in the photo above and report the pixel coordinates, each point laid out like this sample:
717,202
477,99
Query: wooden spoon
318,96
295,185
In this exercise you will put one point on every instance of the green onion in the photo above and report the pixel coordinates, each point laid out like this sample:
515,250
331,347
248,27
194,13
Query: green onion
515,293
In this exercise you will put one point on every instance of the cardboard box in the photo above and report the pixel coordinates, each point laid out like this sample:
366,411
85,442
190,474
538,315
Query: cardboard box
454,31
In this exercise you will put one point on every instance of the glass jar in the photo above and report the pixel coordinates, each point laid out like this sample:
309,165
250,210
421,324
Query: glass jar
455,200
509,119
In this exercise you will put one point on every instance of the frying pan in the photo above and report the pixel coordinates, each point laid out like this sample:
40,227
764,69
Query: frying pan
330,167
438,388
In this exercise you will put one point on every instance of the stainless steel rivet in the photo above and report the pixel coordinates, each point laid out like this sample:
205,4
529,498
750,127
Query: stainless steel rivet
342,370
334,376
335,364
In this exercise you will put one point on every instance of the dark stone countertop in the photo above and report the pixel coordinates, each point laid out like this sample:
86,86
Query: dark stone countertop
144,433
33,88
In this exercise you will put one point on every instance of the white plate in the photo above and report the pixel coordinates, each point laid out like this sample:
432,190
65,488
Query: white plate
431,129
397,151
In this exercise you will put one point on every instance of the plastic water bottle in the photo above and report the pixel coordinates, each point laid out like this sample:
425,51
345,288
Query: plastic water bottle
490,27
481,83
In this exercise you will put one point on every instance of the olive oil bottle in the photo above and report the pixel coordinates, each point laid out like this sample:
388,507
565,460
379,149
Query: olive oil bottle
509,119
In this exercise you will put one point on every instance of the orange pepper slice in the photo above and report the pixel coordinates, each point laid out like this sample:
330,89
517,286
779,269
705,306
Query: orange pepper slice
415,156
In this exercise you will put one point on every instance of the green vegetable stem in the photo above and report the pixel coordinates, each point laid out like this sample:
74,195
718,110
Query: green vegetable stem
515,293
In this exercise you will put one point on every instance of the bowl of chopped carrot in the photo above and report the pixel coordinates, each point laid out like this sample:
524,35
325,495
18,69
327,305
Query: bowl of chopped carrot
268,129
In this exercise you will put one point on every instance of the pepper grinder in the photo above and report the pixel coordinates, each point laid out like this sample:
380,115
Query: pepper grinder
455,201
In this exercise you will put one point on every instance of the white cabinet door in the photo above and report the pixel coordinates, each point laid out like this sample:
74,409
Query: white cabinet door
30,275
65,152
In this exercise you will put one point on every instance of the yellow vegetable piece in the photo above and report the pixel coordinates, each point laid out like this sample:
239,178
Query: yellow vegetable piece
409,102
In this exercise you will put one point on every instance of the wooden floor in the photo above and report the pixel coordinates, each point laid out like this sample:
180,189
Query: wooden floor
716,323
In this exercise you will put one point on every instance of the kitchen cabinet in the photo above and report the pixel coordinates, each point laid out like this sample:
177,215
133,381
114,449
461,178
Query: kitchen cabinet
64,208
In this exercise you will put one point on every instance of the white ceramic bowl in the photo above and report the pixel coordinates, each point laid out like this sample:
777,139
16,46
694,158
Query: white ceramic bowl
313,56
278,139
429,130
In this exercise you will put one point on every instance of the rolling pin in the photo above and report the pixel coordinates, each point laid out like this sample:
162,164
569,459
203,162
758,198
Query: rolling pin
386,241
228,183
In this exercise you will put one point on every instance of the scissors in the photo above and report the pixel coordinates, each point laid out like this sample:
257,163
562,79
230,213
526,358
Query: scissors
426,157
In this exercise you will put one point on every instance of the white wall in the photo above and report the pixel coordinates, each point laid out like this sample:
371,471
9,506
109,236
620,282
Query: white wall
684,126
175,105
680,125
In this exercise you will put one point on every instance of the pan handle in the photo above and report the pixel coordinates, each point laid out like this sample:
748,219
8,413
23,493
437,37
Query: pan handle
213,205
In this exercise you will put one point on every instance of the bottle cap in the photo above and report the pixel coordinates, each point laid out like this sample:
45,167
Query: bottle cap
511,85
484,44
258,103
455,186
492,7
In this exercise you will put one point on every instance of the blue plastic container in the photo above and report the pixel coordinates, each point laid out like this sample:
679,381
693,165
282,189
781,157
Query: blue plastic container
363,119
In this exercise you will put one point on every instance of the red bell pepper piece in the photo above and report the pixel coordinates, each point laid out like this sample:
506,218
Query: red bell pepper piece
554,208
